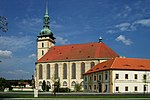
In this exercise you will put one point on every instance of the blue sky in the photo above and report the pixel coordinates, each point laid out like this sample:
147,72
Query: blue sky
124,26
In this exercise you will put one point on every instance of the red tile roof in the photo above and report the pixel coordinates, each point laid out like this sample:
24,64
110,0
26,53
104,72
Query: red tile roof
78,52
122,64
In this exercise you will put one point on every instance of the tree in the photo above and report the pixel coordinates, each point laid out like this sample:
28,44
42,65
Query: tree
44,86
47,88
4,84
77,87
3,24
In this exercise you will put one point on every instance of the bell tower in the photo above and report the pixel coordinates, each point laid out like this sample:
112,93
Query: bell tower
45,39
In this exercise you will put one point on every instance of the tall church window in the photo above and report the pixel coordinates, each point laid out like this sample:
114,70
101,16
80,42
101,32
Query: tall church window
42,52
48,71
56,71
92,64
73,71
42,44
40,72
82,69
64,71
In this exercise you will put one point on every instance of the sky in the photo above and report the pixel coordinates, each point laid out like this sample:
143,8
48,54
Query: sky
124,26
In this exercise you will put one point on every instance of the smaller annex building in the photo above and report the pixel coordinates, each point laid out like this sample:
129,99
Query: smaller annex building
119,75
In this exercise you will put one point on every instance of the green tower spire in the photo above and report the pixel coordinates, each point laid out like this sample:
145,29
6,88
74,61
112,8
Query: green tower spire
46,28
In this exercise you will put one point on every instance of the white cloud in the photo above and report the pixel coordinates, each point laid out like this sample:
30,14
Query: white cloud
127,8
31,21
123,26
144,22
124,40
125,11
61,40
54,24
133,26
111,31
14,43
17,72
29,24
5,54
32,56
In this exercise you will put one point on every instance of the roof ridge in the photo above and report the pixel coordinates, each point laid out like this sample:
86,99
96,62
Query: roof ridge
75,44
113,62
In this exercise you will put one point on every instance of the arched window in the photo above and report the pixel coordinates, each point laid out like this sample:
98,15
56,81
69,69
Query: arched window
73,71
42,52
92,64
64,71
64,83
82,83
82,69
56,71
40,71
40,83
73,83
48,71
42,44
49,84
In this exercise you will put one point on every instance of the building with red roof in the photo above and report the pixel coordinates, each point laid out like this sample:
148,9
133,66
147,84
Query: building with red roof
119,75
67,62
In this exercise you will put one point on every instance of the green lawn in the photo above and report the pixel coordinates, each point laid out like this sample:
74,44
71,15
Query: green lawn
30,95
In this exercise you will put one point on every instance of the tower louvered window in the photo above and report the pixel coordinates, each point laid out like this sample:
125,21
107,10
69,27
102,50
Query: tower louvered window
42,52
42,45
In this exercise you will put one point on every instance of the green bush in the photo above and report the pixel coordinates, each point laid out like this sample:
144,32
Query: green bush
47,88
77,87
63,90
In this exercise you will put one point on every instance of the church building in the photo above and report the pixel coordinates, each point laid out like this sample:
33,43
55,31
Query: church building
67,62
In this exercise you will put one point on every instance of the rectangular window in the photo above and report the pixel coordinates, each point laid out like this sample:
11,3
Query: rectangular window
94,78
135,76
126,88
106,88
126,76
135,88
85,87
100,77
144,76
106,76
117,88
90,87
90,78
94,87
117,76
144,88
85,79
